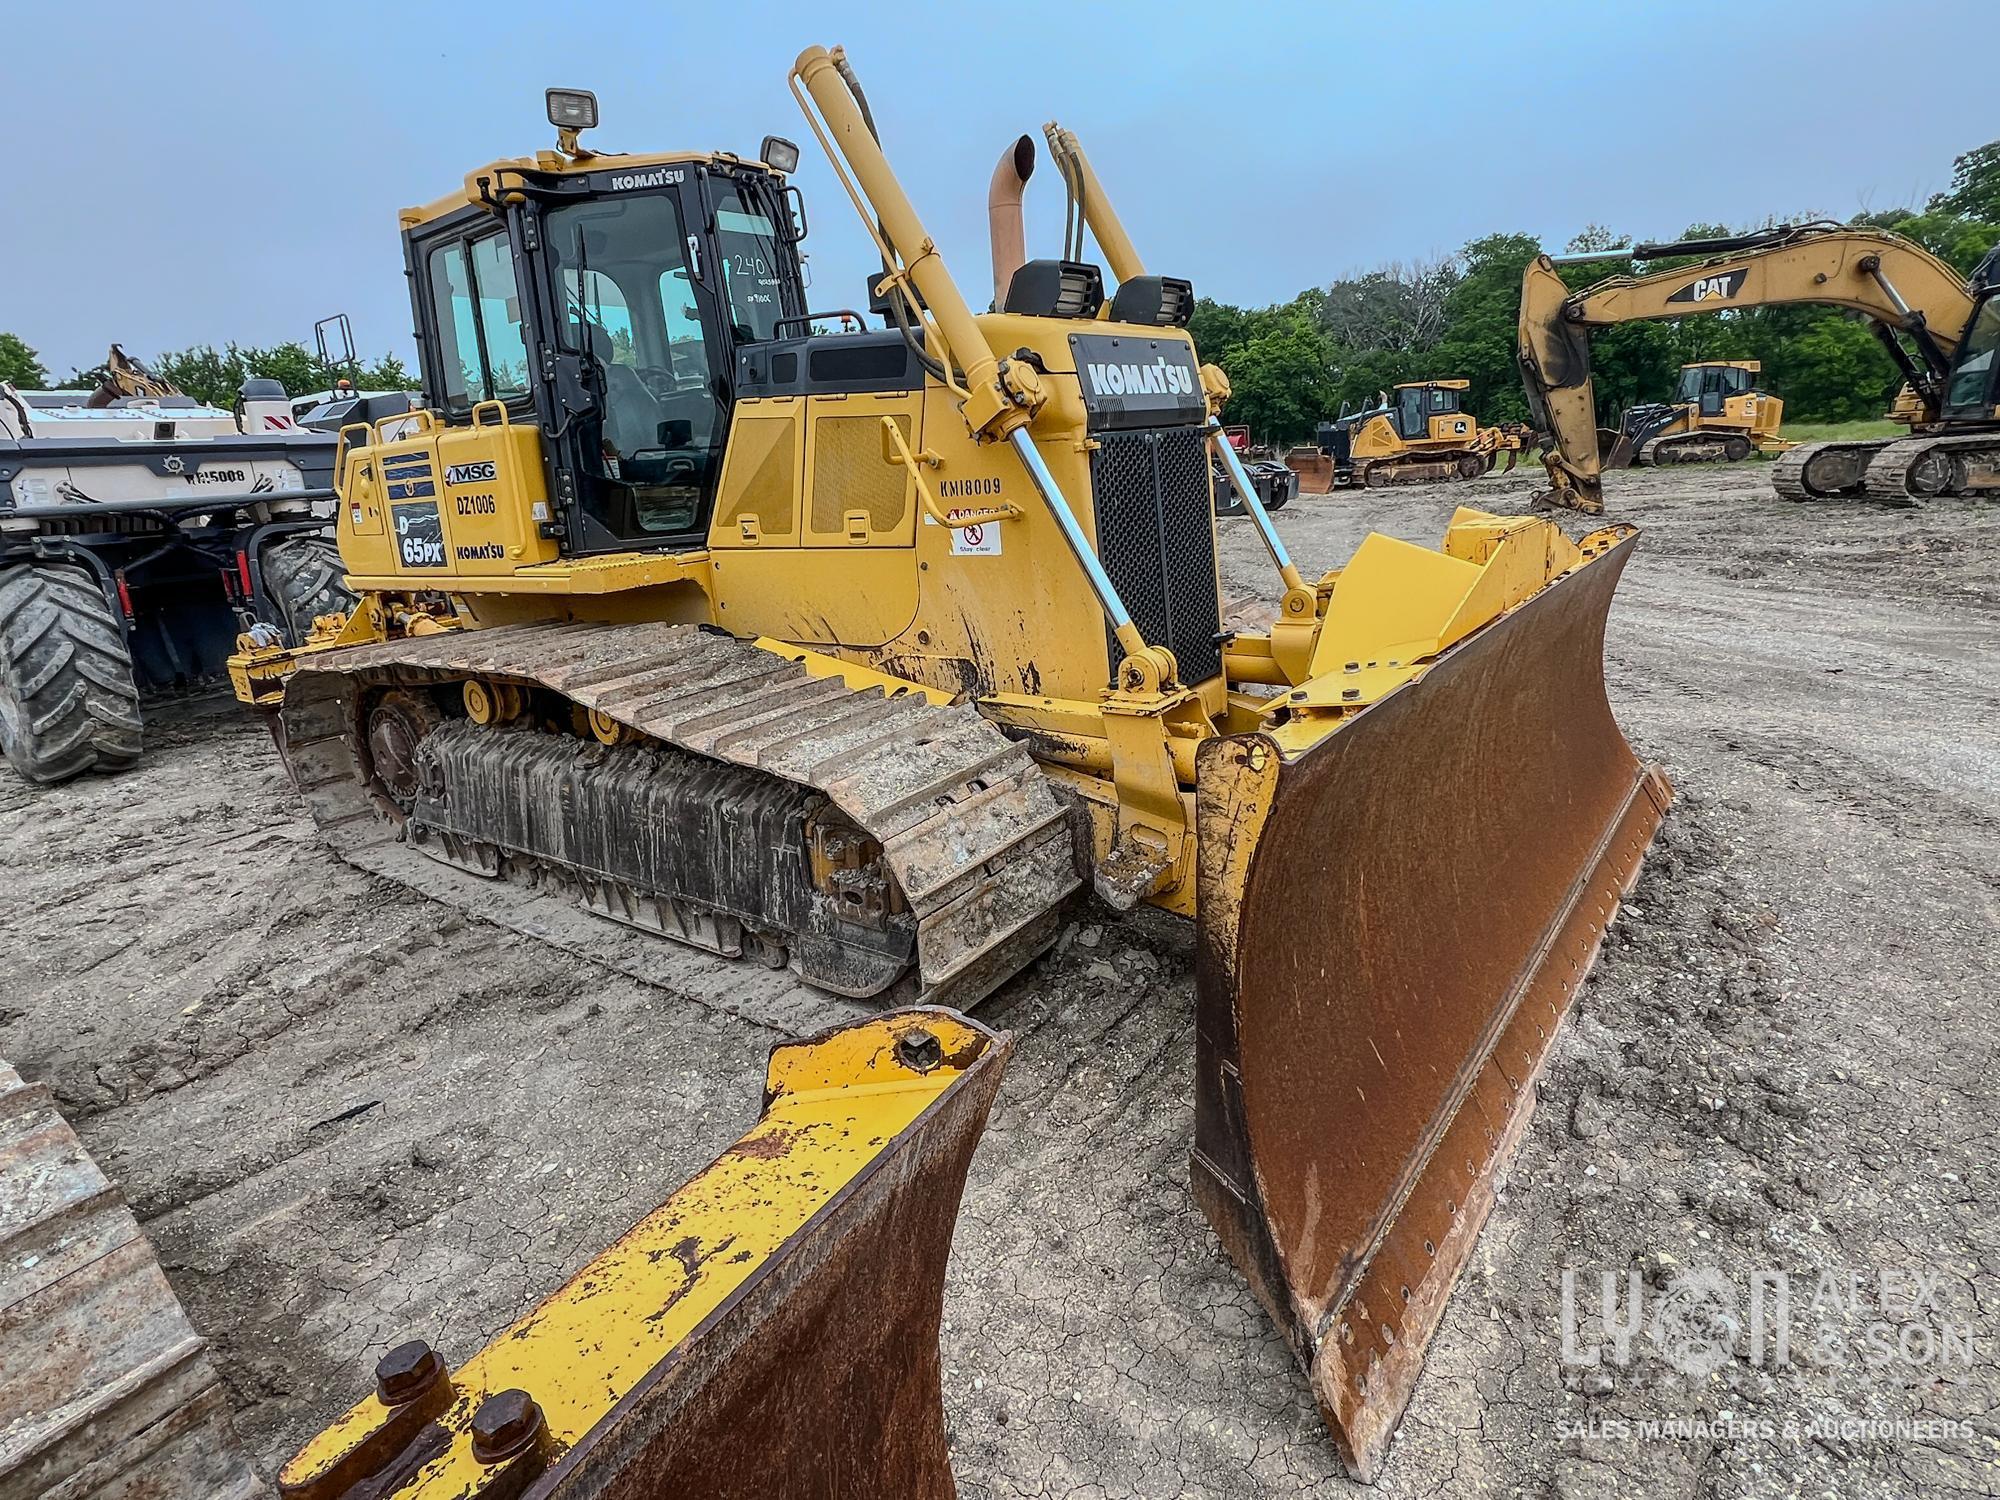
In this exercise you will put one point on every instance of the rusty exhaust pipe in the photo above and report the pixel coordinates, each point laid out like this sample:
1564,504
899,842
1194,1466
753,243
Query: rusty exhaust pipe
1003,215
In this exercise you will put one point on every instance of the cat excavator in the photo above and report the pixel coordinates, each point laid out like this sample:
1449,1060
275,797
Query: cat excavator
856,653
1941,332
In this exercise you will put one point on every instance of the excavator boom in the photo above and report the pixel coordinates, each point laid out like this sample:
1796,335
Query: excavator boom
1919,306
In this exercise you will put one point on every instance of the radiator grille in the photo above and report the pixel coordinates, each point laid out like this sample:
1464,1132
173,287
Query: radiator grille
1156,539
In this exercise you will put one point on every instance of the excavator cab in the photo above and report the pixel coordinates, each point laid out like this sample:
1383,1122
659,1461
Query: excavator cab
605,299
1971,393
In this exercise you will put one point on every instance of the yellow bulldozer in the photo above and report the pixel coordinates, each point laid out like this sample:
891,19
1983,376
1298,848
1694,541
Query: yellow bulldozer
858,653
1419,433
1940,330
1717,414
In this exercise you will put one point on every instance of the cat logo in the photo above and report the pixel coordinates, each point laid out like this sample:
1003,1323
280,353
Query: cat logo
1718,288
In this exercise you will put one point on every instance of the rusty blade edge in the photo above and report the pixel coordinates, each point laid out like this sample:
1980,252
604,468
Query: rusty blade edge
636,1446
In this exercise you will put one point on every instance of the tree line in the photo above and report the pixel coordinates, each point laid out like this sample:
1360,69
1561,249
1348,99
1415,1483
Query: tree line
1298,363
214,375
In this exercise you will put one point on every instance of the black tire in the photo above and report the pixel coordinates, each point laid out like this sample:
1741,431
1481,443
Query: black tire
1737,448
304,579
68,700
1281,496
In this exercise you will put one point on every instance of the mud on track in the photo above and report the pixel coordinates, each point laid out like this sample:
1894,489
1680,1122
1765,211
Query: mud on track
349,1116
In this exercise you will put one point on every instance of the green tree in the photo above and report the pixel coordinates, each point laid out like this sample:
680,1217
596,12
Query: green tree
217,375
20,365
386,374
1481,315
1281,381
1975,185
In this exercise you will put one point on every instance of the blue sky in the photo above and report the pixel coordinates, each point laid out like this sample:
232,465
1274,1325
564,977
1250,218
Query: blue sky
197,173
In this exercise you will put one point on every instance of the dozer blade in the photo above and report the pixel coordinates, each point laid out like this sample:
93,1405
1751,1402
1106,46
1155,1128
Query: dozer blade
1393,922
106,1390
770,1330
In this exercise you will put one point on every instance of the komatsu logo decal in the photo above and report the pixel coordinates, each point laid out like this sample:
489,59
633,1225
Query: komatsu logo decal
1718,288
1156,379
1137,382
625,182
480,473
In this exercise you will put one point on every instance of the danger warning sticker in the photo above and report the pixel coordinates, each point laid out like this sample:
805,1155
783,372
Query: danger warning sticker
971,541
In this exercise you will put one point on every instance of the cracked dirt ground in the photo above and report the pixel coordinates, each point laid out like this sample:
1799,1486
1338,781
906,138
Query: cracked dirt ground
349,1116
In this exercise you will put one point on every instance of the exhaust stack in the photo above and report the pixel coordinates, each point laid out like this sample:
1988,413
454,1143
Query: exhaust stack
1003,215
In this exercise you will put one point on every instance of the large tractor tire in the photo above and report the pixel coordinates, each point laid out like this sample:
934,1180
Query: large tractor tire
304,577
68,700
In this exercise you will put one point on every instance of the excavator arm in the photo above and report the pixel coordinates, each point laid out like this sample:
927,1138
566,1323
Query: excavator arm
1918,305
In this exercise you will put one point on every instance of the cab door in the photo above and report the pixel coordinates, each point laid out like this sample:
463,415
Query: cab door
1411,423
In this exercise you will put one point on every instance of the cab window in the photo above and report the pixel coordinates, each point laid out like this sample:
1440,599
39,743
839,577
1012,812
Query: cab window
633,312
1972,378
483,355
747,242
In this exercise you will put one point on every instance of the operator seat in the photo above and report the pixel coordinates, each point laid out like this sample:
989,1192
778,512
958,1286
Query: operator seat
632,413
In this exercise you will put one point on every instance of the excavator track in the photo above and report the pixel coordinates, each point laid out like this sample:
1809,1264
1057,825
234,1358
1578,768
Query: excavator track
106,1390
755,809
1911,470
1824,471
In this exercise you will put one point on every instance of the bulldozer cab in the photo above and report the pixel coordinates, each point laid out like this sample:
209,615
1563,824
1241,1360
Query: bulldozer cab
1415,406
604,299
1709,386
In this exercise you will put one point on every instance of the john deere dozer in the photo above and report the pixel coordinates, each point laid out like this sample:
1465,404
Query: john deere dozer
1941,332
1420,433
857,652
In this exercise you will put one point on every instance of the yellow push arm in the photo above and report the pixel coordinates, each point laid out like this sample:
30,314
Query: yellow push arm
997,398
1000,397
1901,287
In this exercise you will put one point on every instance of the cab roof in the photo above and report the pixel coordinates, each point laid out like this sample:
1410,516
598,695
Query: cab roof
1754,366
556,163
1424,385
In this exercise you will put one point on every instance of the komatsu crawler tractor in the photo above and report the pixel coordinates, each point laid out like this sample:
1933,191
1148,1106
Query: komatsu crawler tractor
858,653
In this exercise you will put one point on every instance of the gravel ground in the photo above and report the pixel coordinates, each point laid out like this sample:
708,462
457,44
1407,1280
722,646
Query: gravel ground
349,1116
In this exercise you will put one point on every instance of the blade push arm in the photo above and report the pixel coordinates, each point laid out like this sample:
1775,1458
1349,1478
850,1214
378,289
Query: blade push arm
1904,290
